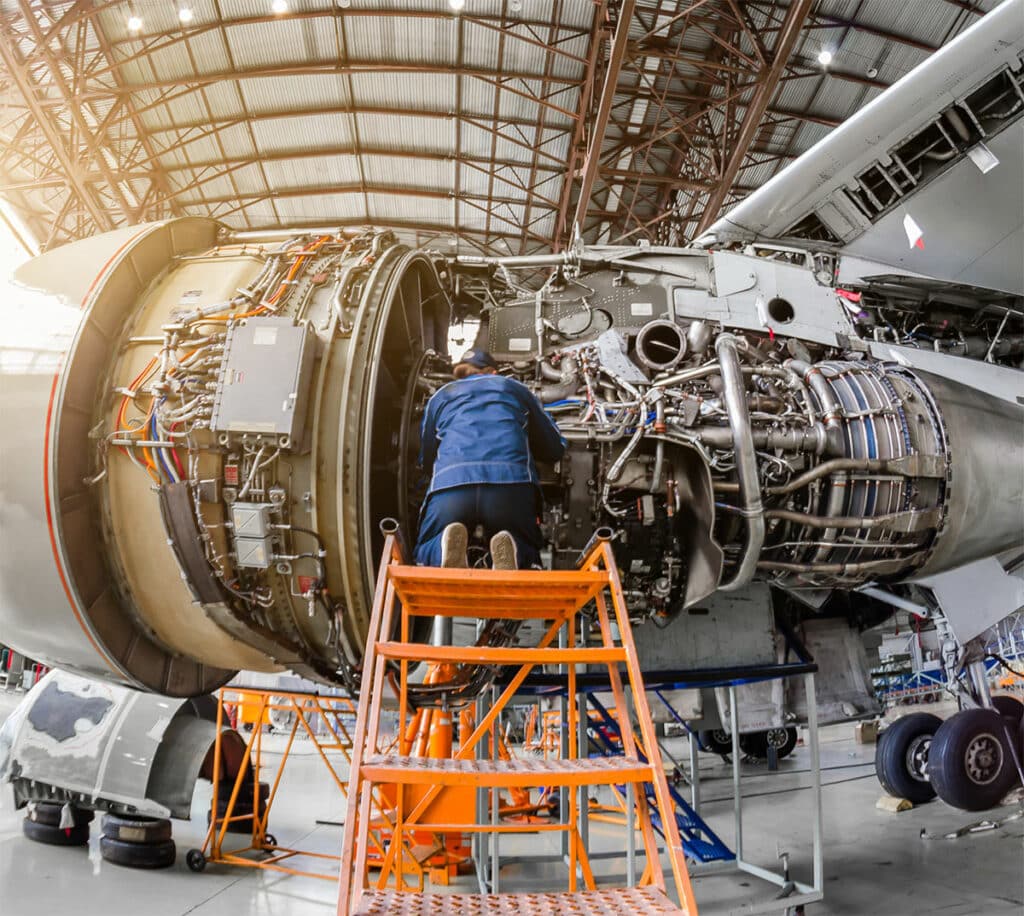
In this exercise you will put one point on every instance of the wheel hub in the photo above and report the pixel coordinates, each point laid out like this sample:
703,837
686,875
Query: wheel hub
917,757
983,759
776,737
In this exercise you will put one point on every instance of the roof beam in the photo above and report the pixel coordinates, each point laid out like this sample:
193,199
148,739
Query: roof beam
74,109
19,74
322,191
196,81
397,225
576,145
592,162
297,111
796,16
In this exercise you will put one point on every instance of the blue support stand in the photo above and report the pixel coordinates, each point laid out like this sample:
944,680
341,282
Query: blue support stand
700,843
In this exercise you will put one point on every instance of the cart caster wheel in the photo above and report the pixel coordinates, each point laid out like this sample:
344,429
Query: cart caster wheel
270,840
195,860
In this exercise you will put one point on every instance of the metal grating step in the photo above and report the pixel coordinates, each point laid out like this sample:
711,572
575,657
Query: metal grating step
487,655
519,595
628,901
518,772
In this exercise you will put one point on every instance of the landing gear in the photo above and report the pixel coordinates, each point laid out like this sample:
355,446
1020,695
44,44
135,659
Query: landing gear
973,758
715,741
756,744
972,765
902,757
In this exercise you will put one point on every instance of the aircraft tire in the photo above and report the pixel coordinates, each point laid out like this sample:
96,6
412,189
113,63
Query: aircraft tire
54,836
48,813
715,741
138,855
970,761
902,757
137,829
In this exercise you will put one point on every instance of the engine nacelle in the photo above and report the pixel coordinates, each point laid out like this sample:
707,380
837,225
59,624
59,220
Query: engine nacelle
204,431
204,436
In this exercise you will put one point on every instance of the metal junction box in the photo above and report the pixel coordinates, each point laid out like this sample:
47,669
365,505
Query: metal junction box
251,522
266,371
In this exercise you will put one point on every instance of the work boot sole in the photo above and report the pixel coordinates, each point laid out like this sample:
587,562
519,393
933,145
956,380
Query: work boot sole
454,542
503,551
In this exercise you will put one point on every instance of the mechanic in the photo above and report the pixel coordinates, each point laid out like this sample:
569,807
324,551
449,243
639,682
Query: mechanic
479,438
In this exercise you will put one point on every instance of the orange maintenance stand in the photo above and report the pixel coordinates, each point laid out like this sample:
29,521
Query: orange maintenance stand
422,783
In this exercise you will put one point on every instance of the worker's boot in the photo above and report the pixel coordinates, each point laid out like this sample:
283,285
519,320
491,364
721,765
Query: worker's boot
503,551
454,541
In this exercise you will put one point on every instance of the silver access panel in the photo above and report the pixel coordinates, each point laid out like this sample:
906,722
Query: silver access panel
265,376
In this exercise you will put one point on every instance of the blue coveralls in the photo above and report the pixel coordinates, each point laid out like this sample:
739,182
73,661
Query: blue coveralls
478,440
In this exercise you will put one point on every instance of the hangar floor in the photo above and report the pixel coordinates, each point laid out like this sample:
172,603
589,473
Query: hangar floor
875,862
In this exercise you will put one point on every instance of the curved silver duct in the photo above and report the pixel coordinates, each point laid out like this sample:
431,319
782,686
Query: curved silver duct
751,507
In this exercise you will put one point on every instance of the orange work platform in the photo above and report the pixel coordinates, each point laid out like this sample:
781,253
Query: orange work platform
419,785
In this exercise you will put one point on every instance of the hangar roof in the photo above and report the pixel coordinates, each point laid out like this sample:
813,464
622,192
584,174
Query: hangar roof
461,126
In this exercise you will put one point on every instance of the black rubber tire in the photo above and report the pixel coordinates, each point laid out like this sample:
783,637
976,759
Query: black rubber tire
715,741
754,744
54,836
902,757
48,813
788,741
195,860
1009,706
243,804
137,829
138,855
970,762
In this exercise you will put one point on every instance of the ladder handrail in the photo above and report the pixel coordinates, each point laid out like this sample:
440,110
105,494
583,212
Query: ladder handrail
392,552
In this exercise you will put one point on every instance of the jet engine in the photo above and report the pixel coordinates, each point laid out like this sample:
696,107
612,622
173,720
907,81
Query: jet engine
203,430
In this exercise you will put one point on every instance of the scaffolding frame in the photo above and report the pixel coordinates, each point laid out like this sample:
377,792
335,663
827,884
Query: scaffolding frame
262,849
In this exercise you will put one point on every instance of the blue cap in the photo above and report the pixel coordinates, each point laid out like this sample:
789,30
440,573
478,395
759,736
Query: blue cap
479,358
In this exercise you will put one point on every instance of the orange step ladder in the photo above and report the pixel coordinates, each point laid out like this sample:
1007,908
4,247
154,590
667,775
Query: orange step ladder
555,598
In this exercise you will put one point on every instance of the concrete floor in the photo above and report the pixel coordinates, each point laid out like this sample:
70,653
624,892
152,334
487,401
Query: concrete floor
875,862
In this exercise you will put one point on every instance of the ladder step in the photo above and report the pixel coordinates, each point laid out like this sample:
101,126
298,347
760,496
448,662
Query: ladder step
485,593
487,655
519,772
628,901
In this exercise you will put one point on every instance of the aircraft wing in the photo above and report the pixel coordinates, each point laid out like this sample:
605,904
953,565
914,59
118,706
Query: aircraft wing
936,160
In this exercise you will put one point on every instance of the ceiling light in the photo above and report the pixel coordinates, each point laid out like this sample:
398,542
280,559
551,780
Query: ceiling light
825,57
279,6
134,24
457,5
185,14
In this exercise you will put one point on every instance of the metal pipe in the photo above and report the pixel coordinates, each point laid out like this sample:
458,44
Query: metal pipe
817,382
686,376
804,440
911,520
871,465
746,460
896,564
911,607
568,382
